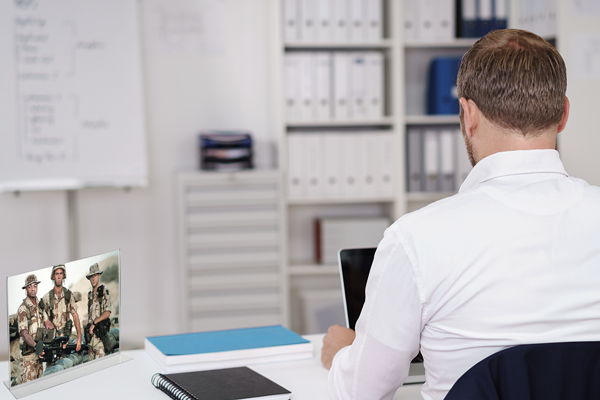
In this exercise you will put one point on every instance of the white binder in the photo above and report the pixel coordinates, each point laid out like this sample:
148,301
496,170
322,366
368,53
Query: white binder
410,20
431,160
307,86
296,181
291,29
427,16
445,20
308,14
314,169
387,177
340,21
292,87
323,21
373,20
323,90
447,160
332,162
350,161
374,85
358,109
414,154
341,66
357,17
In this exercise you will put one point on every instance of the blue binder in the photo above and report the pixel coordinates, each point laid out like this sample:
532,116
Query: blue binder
441,91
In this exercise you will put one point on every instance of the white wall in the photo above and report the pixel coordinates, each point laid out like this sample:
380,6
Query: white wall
579,44
206,66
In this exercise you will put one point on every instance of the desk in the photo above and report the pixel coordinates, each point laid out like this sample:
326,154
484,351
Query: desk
306,379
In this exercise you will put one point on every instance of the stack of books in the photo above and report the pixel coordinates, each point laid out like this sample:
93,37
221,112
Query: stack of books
226,349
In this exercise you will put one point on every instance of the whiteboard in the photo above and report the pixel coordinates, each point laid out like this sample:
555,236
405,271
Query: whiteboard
71,100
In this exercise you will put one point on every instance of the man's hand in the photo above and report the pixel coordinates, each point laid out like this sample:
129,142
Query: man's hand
48,324
92,329
78,344
336,338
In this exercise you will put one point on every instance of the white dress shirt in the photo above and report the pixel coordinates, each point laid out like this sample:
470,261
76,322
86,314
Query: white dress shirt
513,258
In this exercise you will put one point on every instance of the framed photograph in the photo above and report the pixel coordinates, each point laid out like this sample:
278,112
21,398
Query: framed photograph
62,318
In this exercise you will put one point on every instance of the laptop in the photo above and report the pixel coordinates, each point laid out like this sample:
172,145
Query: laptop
355,264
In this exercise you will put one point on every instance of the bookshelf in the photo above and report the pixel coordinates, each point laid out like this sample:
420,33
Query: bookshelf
406,65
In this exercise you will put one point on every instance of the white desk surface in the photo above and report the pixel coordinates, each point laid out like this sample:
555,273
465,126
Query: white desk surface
306,379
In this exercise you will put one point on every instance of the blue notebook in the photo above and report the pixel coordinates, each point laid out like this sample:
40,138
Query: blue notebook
227,348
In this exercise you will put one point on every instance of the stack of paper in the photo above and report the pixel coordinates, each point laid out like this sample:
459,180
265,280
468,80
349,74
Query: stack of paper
228,348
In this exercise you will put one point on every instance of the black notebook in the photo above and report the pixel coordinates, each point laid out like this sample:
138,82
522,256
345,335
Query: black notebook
240,383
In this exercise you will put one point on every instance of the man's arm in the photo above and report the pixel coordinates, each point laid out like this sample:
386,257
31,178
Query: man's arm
387,331
78,329
105,315
27,338
337,338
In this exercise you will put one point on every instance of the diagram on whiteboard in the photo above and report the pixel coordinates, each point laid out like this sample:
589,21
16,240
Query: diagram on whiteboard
73,106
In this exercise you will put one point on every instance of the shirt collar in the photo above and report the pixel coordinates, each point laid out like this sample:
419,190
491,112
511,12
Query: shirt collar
514,163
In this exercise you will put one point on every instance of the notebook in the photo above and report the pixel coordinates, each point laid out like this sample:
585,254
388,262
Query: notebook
239,383
355,265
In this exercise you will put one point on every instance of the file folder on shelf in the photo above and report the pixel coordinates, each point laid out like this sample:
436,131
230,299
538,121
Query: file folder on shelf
441,91
468,18
323,21
373,20
484,17
339,21
323,86
356,29
291,29
341,76
374,85
447,160
358,86
431,158
414,155
308,15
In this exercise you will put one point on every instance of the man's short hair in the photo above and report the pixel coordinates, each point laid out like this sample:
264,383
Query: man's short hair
517,79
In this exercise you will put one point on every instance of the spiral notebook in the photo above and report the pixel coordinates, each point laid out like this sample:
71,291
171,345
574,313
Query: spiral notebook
239,383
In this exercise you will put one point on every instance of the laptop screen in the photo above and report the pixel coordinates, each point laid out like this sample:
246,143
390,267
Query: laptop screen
355,265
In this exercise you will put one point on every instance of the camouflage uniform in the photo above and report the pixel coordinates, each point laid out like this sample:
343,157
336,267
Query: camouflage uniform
30,366
97,308
62,312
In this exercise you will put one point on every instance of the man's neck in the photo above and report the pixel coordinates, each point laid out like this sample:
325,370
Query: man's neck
33,300
58,289
496,140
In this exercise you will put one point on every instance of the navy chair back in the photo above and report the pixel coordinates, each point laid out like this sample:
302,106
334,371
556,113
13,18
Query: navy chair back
547,371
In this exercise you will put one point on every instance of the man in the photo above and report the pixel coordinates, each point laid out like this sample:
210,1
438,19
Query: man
98,313
59,306
30,318
513,258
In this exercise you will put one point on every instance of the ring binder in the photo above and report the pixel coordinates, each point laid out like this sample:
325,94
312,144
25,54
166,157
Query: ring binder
241,383
167,386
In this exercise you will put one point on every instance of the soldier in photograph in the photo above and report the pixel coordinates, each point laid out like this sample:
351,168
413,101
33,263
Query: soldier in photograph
98,314
59,306
30,318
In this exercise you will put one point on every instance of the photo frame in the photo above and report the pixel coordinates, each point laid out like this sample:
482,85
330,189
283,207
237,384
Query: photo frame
45,307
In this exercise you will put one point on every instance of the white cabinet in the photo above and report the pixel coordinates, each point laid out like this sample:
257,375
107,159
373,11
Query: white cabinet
231,250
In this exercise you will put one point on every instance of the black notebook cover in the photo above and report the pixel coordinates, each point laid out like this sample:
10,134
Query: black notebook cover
219,384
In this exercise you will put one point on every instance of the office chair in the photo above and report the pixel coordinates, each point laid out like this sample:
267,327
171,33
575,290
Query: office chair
548,371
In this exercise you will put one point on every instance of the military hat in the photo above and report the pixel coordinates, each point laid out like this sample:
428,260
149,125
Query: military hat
29,280
59,266
94,269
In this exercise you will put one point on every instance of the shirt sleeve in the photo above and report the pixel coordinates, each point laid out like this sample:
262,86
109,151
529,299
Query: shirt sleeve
72,306
106,303
22,318
387,331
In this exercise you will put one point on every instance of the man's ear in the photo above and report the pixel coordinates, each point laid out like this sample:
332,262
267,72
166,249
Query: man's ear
470,115
565,117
